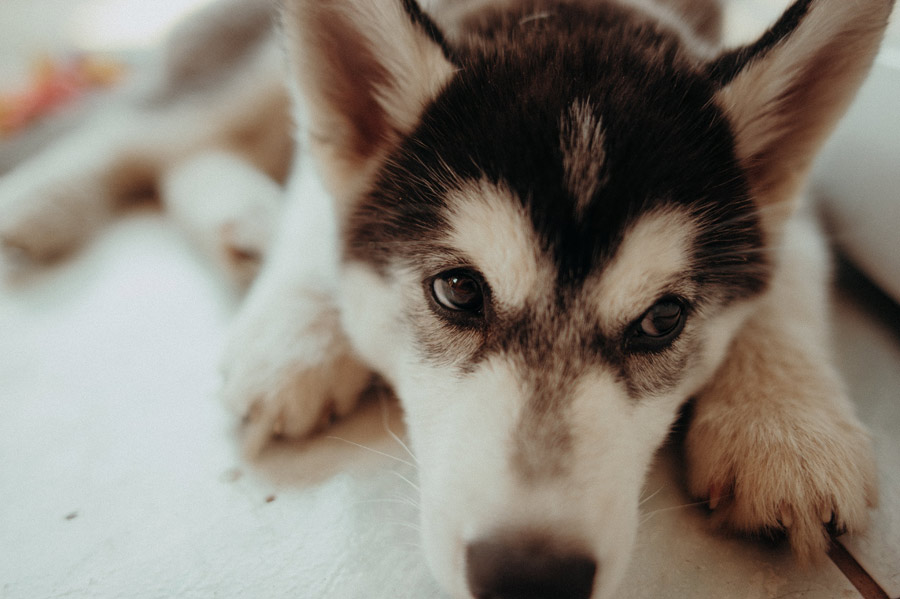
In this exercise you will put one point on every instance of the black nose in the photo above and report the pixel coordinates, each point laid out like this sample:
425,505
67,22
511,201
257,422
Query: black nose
517,566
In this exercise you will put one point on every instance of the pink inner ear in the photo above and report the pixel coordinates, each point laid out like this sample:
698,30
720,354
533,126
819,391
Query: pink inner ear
348,79
785,101
807,109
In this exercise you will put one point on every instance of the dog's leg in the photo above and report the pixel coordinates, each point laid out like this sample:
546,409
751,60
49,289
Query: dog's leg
288,367
227,206
216,82
54,201
774,443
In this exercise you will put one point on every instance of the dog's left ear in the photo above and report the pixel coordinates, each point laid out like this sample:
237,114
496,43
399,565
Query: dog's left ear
364,70
784,93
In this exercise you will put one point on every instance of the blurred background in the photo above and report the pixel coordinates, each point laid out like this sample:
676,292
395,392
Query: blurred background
30,27
119,470
33,27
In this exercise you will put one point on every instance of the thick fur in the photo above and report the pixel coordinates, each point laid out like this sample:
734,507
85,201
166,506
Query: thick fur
584,162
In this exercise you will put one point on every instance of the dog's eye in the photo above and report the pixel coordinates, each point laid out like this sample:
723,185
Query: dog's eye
459,291
659,326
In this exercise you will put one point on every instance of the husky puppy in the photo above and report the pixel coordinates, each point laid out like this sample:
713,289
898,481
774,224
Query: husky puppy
549,224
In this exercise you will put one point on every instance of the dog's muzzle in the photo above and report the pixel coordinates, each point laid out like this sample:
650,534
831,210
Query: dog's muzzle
518,565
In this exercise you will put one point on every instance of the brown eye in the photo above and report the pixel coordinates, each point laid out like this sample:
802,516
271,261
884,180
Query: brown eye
661,319
659,326
459,291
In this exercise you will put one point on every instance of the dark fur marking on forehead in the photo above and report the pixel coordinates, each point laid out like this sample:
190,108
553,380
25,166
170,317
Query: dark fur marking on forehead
726,68
664,138
499,119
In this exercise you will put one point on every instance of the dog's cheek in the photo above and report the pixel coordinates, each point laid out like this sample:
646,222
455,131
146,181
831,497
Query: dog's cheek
446,416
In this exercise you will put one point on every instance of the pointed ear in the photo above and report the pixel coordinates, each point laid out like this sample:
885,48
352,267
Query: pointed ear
364,70
784,93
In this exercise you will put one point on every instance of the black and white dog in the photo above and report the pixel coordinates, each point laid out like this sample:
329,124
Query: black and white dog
547,223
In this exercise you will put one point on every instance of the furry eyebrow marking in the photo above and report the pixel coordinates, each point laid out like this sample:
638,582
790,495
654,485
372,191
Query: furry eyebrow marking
584,155
655,252
490,226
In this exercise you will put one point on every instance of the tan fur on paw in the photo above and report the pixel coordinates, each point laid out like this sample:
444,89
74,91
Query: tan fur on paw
808,472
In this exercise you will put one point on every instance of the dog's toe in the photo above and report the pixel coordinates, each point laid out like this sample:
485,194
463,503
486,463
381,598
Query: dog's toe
808,481
289,379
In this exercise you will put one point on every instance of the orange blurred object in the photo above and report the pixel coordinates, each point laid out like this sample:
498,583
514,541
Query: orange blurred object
55,83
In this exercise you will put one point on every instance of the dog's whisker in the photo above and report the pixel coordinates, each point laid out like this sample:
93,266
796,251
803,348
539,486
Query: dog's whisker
388,500
409,525
375,451
403,445
408,500
651,496
385,419
416,546
406,480
650,515
414,499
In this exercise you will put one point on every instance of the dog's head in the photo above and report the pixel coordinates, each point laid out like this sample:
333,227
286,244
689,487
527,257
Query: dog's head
553,227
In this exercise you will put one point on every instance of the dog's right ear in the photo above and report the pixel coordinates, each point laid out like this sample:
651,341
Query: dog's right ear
364,70
784,93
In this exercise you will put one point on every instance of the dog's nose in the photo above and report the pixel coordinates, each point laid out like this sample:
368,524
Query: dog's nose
515,566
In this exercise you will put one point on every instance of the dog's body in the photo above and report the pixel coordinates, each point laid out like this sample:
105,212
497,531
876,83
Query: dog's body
548,224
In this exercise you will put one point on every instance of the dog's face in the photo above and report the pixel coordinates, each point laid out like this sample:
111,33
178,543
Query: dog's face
535,397
545,282
553,229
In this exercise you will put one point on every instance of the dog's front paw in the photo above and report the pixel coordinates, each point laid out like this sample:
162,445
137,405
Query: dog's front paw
227,206
45,214
803,468
31,227
288,370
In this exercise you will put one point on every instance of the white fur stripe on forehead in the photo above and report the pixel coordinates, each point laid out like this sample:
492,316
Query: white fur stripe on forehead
654,254
582,141
491,228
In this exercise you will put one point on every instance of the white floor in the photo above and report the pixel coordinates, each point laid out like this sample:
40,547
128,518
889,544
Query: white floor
121,476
